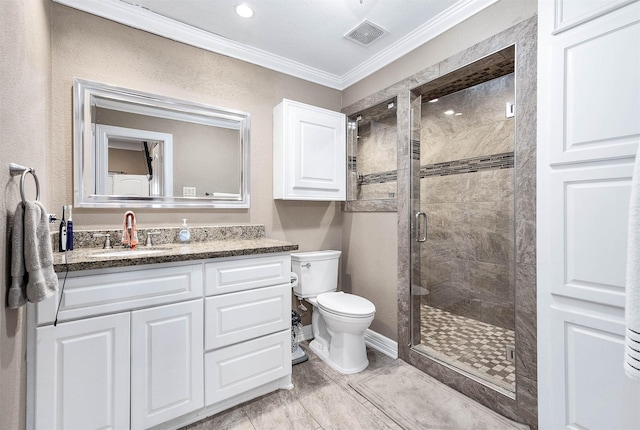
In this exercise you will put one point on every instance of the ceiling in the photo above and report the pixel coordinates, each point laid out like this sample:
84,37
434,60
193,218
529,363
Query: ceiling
303,38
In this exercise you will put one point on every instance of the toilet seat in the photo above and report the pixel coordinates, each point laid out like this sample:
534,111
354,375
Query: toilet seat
346,305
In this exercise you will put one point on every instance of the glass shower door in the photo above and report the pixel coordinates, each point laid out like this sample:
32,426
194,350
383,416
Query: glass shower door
462,202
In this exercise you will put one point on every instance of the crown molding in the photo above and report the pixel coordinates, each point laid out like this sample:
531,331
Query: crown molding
143,19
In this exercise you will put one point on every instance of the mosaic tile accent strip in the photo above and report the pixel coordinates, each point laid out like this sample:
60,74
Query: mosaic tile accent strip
378,178
415,149
473,346
500,64
468,165
351,163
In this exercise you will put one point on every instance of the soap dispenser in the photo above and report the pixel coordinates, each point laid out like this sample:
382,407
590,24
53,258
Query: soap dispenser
184,235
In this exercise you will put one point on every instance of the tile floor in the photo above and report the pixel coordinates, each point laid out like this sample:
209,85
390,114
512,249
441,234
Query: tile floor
470,345
321,399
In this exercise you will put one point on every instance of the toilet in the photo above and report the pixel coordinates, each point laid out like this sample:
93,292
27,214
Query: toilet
339,319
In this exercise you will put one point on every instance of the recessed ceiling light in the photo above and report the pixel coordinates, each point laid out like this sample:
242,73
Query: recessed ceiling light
458,114
449,112
433,101
244,10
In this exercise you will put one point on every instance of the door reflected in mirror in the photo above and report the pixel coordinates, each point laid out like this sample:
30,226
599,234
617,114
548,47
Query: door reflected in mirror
136,149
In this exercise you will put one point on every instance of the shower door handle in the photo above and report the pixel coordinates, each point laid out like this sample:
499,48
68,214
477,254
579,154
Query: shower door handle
420,238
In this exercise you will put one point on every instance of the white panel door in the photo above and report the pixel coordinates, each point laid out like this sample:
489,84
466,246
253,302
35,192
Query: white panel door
594,395
166,363
82,374
588,134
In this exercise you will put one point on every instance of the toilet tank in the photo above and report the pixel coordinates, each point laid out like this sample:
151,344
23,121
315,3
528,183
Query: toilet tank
317,272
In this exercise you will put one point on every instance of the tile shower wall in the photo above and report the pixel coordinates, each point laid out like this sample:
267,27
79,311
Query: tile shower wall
467,261
375,165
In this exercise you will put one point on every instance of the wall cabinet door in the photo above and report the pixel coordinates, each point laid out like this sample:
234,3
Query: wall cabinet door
166,363
82,374
309,153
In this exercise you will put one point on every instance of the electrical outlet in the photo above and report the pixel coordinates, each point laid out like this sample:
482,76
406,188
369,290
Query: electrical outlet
188,191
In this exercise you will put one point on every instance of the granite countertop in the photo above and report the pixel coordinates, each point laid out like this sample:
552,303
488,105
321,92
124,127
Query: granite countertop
86,259
214,241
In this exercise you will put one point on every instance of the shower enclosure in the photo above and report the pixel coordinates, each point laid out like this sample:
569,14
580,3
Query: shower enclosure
463,260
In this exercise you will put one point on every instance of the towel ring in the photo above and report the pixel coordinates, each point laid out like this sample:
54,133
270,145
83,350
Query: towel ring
16,170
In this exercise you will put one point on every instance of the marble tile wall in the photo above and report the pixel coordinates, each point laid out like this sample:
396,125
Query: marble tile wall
481,129
373,154
467,260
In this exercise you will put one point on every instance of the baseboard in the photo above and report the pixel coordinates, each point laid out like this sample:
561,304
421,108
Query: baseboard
381,343
372,339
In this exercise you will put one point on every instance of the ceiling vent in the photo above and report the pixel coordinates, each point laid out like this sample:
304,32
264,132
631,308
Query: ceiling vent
365,33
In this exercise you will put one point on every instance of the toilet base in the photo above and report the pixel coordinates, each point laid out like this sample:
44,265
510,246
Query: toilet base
322,351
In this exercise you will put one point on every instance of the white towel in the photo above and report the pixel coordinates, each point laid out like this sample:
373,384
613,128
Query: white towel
17,295
632,304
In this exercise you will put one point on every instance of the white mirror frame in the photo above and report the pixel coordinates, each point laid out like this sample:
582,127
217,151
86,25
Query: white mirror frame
86,163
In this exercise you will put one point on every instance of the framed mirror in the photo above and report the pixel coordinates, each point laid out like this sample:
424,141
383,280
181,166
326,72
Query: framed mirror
141,150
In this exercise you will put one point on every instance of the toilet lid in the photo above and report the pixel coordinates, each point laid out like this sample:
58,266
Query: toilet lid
345,304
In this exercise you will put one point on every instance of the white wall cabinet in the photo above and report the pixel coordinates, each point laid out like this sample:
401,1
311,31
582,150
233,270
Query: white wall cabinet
309,153
162,349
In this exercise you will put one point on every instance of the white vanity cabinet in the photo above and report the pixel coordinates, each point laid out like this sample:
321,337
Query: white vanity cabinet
166,363
309,153
82,370
247,326
160,345
125,370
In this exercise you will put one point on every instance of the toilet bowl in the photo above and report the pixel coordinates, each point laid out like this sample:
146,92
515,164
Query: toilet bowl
339,319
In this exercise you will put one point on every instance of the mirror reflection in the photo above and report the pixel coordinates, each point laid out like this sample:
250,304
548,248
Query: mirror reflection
136,149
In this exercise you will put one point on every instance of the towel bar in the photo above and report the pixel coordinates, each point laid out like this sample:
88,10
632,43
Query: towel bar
16,170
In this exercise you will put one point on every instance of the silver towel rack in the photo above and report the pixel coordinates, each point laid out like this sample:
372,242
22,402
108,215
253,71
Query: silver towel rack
16,170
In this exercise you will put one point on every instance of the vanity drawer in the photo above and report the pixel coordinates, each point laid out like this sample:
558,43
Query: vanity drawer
235,317
243,274
239,368
102,293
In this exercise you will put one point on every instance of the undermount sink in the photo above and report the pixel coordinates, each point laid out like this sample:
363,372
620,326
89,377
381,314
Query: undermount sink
128,252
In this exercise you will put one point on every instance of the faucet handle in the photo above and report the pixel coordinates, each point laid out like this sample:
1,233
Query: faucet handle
149,234
107,241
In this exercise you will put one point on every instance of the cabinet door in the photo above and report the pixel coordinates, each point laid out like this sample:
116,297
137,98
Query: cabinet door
166,363
82,374
312,143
